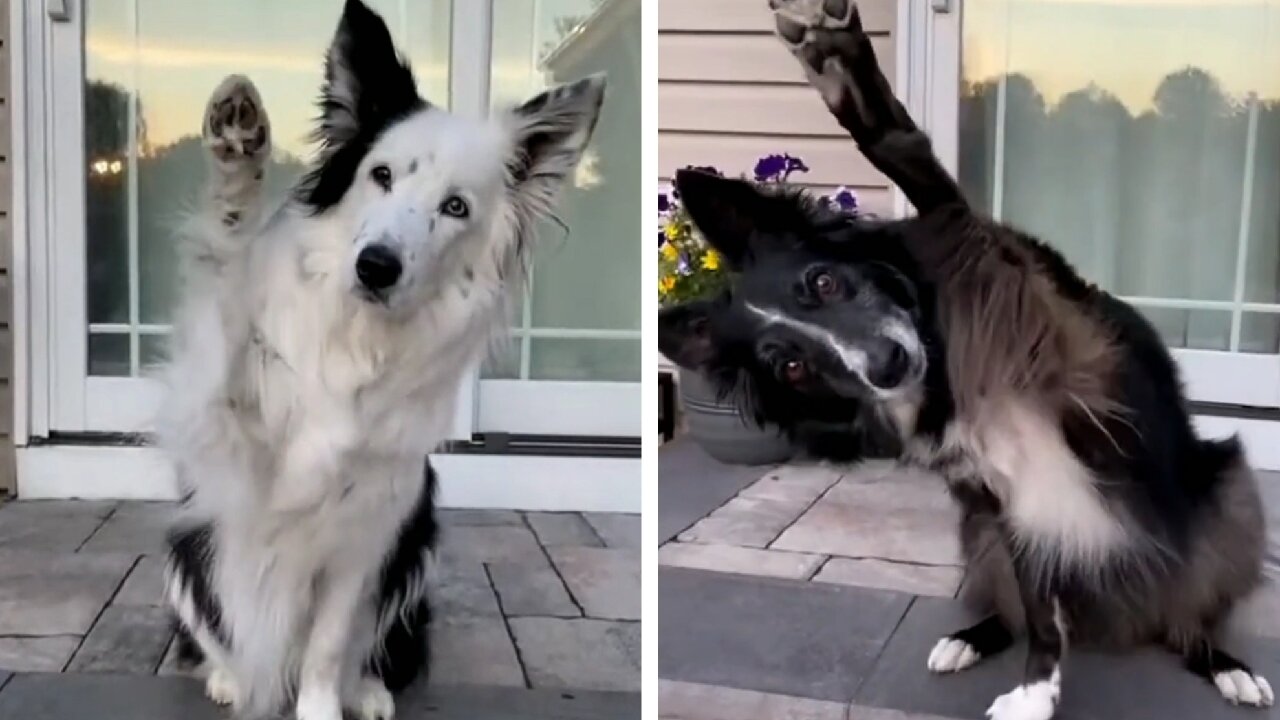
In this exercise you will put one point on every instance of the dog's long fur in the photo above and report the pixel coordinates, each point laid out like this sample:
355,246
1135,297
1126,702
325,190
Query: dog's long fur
317,356
1091,511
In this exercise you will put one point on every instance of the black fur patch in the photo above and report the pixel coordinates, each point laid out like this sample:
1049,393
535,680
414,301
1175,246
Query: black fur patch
406,650
368,87
191,552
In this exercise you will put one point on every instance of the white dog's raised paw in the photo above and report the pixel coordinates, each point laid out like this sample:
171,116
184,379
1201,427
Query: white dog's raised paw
1033,701
221,687
1240,687
952,654
374,701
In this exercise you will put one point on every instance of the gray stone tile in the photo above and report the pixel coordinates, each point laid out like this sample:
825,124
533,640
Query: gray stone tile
1143,685
692,484
463,592
935,580
565,528
692,701
488,543
172,666
746,521
795,483
145,584
529,588
502,703
899,515
1260,614
583,653
50,524
135,527
105,697
604,581
126,639
860,712
37,654
734,559
778,636
475,651
619,530
56,593
479,518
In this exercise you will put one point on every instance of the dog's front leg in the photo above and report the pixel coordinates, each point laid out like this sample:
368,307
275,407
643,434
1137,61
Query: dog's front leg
827,37
324,660
1037,697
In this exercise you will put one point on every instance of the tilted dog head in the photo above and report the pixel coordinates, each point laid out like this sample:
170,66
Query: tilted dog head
426,199
823,319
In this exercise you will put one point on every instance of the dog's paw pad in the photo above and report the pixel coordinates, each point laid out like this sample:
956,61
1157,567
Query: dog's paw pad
221,687
952,654
794,18
236,126
1241,687
374,701
1033,701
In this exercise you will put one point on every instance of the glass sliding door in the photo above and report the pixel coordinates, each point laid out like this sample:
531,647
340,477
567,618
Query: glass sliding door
572,366
1141,139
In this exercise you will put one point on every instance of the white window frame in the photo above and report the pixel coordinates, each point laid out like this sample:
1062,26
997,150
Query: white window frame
58,393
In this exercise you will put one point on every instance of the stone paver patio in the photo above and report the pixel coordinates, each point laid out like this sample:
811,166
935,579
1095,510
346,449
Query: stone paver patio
815,593
538,617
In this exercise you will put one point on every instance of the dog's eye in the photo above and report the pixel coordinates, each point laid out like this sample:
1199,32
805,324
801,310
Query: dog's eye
455,206
825,284
381,174
795,370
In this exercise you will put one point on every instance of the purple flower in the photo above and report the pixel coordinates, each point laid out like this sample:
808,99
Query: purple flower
793,164
770,167
682,266
845,199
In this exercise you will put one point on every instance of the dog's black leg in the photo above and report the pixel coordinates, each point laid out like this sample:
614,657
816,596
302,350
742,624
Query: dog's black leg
828,39
965,648
1235,680
1037,697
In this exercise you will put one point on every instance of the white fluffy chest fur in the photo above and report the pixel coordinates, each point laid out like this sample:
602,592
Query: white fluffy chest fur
1048,496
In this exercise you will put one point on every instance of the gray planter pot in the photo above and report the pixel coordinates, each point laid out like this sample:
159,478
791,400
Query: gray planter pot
718,429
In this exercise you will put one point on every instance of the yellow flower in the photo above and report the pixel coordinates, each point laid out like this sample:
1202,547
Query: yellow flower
674,230
666,284
669,251
711,261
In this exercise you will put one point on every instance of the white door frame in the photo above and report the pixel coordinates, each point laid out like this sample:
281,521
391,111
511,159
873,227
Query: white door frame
931,42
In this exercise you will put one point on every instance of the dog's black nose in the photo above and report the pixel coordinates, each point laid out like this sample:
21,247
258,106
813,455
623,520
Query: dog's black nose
893,369
377,267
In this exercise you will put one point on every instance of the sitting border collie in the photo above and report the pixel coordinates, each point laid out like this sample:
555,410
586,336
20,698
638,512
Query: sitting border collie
1091,511
318,354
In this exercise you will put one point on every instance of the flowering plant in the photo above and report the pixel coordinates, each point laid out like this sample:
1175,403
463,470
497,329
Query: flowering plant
688,267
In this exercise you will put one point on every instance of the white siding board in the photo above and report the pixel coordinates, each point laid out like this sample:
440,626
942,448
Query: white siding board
832,161
751,15
740,58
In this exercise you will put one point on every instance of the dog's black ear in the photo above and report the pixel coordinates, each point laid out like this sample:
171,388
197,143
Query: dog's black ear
684,334
732,213
551,133
367,86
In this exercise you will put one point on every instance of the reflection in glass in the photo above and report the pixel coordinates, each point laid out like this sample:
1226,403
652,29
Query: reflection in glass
1139,139
586,279
149,67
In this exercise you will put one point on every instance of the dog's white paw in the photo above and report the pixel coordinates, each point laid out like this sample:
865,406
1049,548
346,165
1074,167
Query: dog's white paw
374,701
1033,701
1240,687
221,687
952,655
313,705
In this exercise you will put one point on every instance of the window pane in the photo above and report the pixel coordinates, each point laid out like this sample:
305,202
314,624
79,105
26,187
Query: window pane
158,60
587,279
1146,159
108,354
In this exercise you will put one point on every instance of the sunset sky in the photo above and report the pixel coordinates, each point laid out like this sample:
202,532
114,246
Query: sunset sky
183,49
1124,46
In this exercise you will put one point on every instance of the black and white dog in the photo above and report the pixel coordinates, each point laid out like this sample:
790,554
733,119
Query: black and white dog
318,353
1091,511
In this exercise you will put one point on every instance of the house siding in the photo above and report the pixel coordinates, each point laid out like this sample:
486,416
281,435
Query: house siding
729,92
7,469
